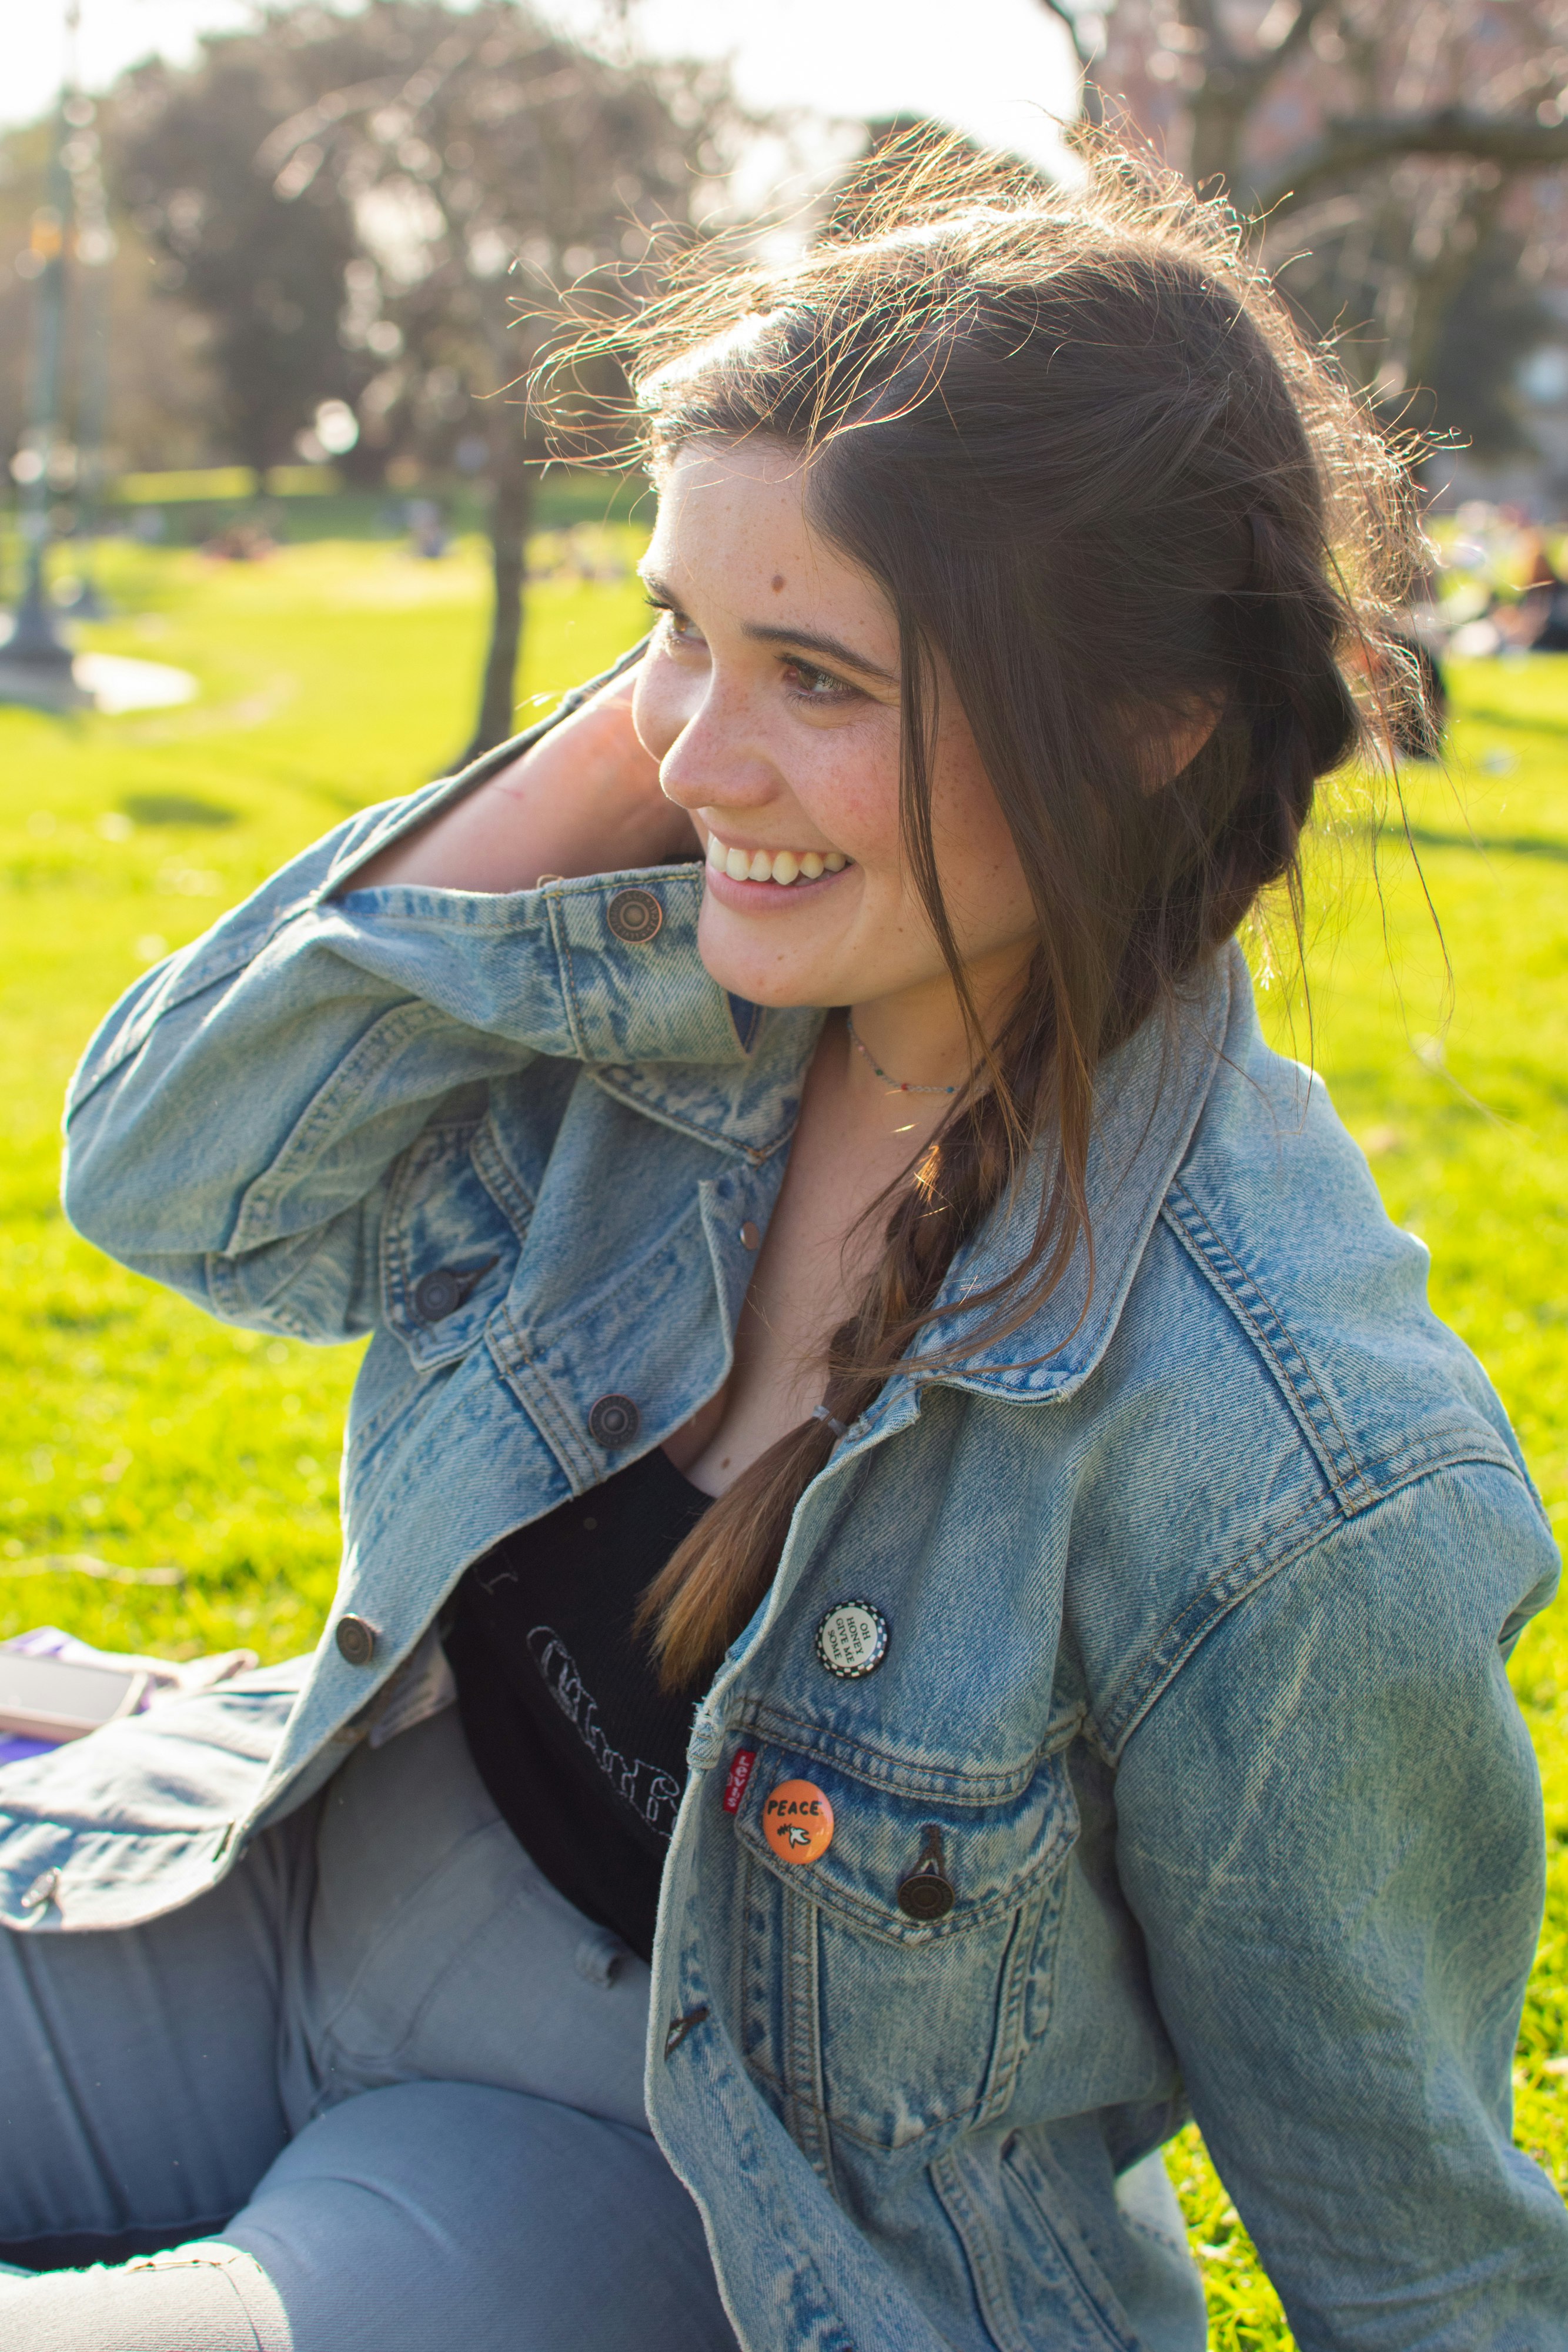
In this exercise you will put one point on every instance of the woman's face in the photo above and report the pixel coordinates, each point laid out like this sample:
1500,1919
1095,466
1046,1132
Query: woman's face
769,695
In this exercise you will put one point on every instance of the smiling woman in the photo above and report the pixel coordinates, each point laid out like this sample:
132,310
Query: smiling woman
924,1596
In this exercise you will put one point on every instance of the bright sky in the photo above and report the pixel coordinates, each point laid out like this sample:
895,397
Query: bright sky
1002,76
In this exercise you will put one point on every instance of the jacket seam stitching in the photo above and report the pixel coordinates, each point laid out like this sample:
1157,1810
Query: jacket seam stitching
371,1054
1250,1570
498,1177
562,946
554,1423
1214,1258
901,1778
982,2258
754,1154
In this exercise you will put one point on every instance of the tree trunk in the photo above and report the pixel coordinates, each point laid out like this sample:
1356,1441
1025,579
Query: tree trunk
511,512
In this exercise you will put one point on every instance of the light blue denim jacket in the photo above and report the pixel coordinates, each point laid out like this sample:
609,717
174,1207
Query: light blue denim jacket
1199,1588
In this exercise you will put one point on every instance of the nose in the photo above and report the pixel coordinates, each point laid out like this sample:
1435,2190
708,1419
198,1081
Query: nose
716,758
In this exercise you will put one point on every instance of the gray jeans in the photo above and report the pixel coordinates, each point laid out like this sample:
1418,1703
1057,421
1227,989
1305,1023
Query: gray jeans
378,2092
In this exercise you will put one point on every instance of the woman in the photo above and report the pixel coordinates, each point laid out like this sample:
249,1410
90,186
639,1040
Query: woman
975,1590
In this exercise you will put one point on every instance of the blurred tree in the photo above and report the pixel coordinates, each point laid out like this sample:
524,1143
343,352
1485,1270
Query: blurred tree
1395,150
1278,98
488,162
265,278
1495,318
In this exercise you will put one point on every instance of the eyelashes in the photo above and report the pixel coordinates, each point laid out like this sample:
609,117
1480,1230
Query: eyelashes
677,620
819,687
837,691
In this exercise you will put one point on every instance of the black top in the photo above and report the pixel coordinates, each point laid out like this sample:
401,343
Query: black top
584,1754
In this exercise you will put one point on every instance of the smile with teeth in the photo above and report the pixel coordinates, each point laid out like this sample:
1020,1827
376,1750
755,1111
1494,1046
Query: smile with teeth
773,864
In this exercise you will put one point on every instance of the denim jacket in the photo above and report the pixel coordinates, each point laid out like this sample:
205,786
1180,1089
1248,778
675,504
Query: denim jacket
1199,1591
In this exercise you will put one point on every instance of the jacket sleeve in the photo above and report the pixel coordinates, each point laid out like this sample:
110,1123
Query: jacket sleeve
1332,1840
234,1123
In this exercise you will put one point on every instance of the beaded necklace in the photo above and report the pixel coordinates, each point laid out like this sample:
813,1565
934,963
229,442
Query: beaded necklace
899,1085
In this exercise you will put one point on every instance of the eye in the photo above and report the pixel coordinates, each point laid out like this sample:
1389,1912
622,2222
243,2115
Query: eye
808,684
679,630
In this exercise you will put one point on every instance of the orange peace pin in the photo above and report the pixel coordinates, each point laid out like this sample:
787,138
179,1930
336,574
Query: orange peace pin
798,1822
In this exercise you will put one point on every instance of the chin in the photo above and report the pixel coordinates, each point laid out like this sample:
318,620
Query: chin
773,989
754,968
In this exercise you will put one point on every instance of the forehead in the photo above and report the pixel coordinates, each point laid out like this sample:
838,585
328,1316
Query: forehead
737,516
716,499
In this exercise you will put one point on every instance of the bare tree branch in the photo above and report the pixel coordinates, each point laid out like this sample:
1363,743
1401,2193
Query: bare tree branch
1356,142
1089,98
1067,16
1294,41
1250,70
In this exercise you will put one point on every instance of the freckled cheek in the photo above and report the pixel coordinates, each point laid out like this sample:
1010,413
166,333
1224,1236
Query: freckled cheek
854,804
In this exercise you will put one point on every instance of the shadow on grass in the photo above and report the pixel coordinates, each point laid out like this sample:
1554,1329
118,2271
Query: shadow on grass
1516,844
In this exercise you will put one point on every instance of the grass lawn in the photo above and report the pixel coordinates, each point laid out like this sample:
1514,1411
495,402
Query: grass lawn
169,1485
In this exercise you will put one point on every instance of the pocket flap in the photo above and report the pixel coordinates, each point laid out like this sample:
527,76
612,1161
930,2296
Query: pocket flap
990,1857
449,1249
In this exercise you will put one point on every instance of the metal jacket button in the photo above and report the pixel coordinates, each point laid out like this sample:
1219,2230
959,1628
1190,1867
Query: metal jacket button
749,1234
614,1421
927,1893
356,1638
438,1294
634,915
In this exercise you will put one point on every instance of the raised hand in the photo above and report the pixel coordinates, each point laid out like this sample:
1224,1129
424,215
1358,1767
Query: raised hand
584,800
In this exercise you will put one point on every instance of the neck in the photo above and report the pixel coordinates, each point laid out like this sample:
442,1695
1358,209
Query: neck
918,1039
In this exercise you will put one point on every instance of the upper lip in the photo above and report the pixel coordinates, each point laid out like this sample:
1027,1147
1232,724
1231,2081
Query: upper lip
772,848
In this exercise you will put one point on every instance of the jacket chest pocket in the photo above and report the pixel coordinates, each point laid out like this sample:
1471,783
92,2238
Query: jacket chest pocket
883,1976
451,1239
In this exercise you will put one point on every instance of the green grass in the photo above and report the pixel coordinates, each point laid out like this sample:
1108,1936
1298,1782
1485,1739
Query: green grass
145,1439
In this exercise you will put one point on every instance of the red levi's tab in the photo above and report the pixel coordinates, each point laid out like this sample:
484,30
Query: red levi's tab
740,1773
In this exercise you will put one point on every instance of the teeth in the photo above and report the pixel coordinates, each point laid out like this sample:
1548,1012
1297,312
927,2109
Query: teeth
783,865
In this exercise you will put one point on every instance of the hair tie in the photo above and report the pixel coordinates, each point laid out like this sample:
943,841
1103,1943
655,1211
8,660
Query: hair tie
821,1413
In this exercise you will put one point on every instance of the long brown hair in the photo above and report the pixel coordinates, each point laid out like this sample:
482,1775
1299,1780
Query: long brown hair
1078,443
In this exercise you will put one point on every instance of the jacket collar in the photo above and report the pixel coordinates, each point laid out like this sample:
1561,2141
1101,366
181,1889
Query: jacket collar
1149,1096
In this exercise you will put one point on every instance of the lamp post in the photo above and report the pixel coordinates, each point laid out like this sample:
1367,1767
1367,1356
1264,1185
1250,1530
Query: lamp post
35,642
93,248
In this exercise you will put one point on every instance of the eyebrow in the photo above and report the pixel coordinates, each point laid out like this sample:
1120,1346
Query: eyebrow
809,640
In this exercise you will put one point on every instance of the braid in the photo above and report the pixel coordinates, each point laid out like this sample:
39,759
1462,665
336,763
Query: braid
722,1571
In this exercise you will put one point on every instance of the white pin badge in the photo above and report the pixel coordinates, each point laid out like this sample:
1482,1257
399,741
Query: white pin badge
851,1640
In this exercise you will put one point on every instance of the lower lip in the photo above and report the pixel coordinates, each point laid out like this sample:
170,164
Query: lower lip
768,897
